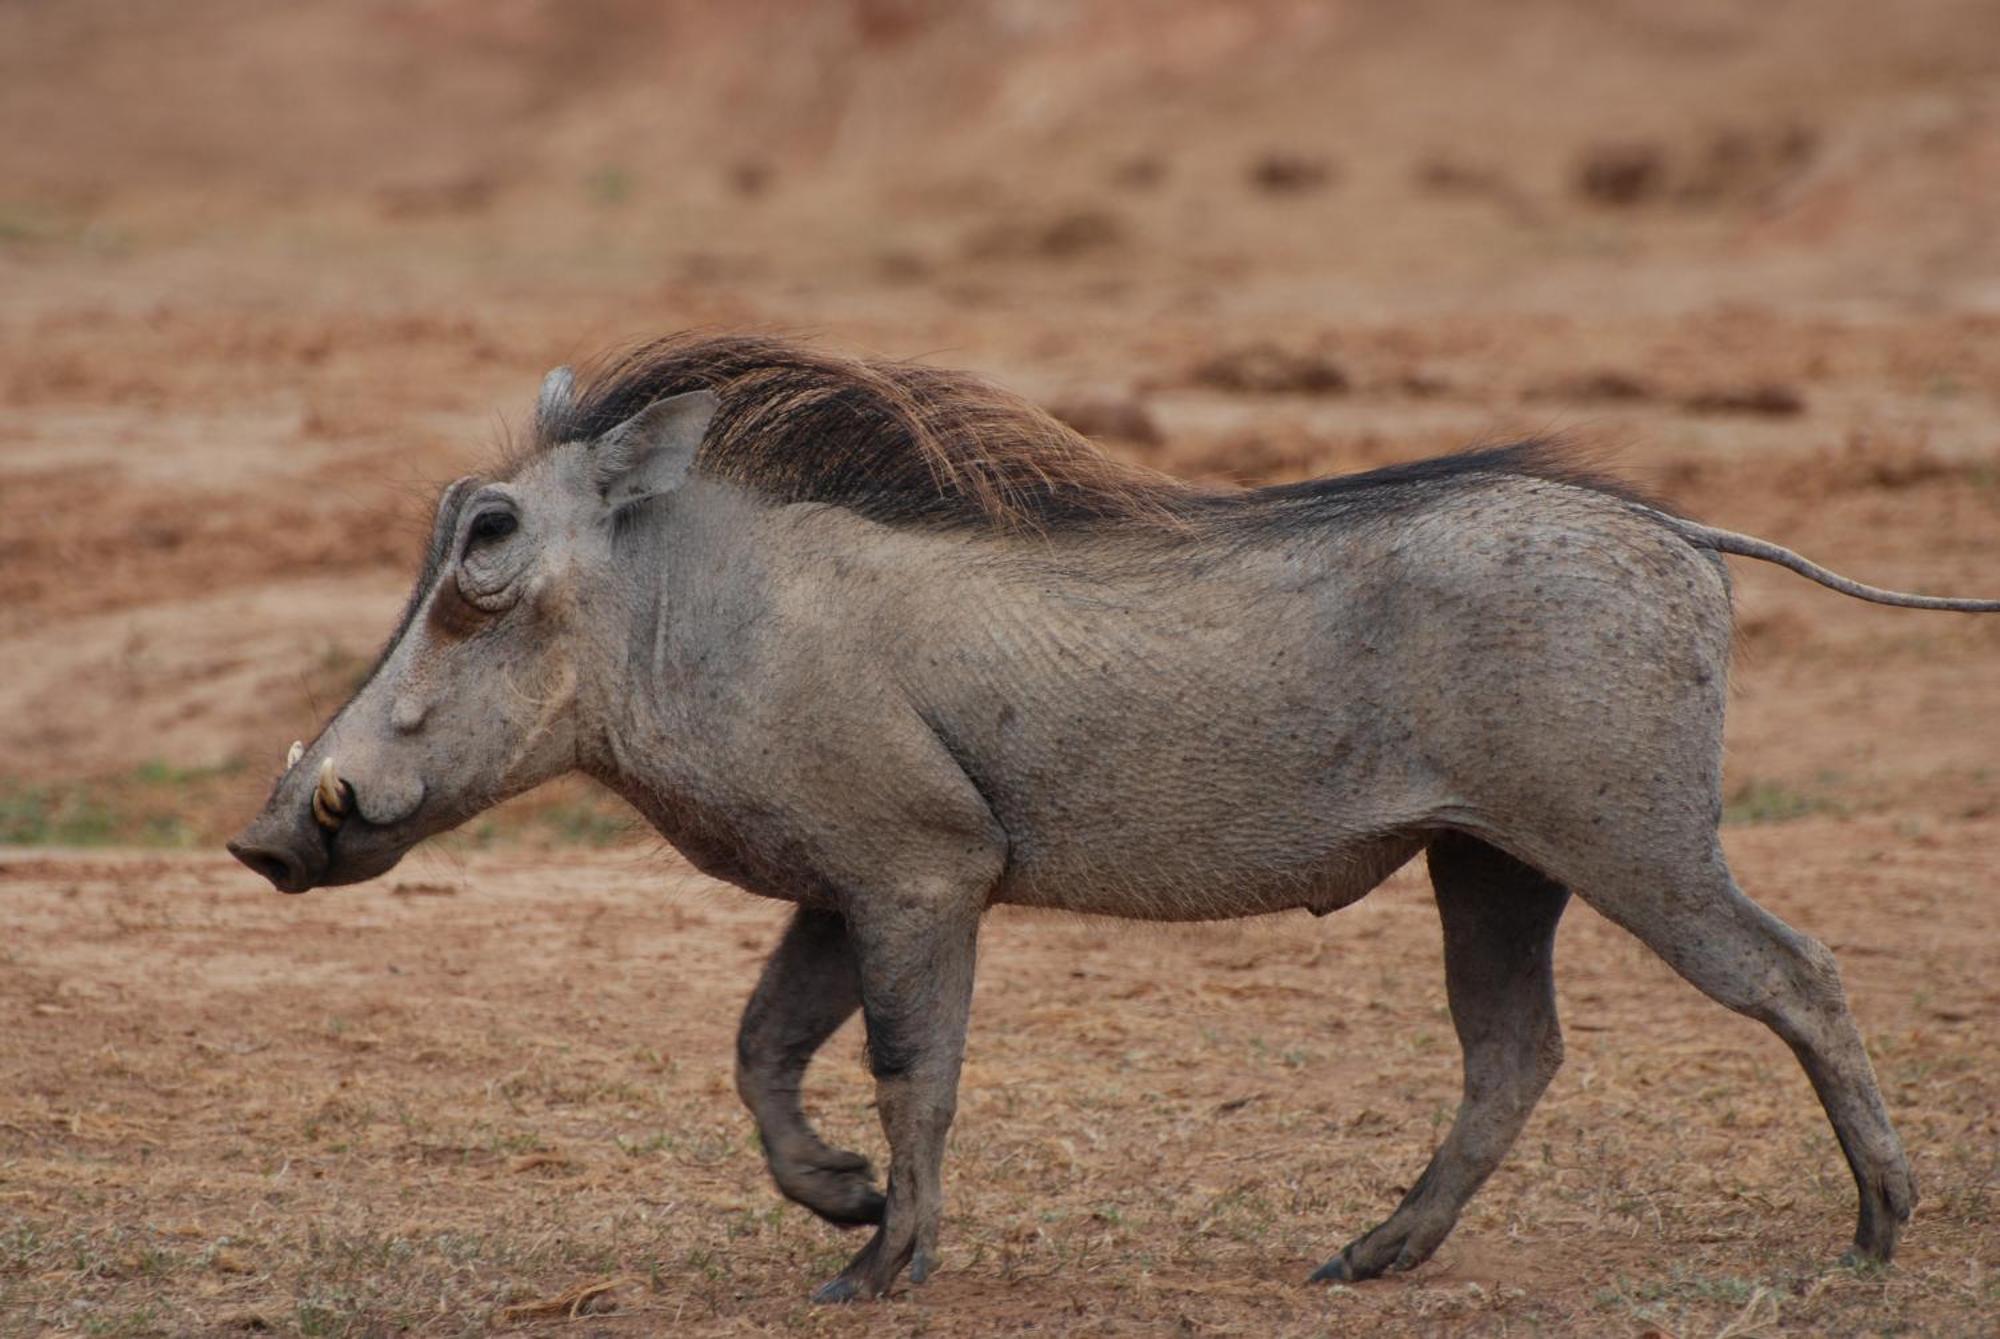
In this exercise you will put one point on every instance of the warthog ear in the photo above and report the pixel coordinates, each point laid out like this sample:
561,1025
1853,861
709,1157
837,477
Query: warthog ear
652,451
554,405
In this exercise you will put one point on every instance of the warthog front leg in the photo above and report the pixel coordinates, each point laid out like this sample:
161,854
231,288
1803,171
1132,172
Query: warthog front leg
916,962
809,988
1499,963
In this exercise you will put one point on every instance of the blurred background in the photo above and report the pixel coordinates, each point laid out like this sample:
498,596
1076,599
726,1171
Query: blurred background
273,272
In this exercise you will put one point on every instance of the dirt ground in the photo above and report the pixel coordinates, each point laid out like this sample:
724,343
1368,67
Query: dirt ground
269,275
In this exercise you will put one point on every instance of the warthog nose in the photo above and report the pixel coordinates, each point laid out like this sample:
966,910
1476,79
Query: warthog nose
285,870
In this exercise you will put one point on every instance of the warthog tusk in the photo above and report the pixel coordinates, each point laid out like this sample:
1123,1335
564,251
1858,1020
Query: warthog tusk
329,802
294,753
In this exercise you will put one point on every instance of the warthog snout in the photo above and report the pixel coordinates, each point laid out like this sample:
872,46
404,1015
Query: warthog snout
320,827
277,845
282,867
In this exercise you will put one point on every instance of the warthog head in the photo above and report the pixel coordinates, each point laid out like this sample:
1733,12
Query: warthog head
476,697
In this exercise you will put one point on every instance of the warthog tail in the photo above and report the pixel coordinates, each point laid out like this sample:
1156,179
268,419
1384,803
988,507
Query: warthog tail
1749,546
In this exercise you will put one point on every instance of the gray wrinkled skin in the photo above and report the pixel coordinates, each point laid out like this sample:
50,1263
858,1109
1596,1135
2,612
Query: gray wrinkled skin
897,727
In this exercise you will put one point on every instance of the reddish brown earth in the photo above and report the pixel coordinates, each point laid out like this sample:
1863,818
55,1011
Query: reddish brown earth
273,273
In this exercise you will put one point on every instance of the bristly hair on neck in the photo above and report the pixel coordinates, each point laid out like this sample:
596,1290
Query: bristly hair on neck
909,444
901,443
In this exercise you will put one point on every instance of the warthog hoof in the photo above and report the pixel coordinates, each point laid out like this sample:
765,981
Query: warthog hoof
1887,1198
868,1274
1397,1245
837,1185
855,1285
839,1288
873,1270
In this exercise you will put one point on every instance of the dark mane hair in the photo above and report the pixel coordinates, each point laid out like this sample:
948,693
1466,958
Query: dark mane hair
908,444
897,442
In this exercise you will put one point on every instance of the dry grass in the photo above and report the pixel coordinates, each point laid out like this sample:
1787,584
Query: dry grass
363,1113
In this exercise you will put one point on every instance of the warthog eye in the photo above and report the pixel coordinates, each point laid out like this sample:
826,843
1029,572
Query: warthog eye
488,566
490,526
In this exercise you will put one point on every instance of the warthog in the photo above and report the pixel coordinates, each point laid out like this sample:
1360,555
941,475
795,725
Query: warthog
894,646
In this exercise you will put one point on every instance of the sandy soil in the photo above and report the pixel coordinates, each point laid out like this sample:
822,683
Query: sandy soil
272,274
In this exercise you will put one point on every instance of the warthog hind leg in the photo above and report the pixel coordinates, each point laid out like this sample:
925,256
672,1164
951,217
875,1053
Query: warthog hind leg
916,962
1743,957
809,988
1499,944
